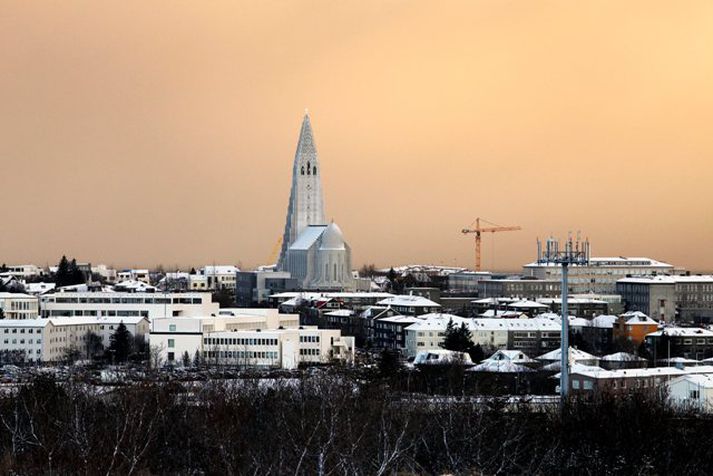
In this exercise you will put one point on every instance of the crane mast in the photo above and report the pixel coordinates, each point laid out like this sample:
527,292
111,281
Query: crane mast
478,231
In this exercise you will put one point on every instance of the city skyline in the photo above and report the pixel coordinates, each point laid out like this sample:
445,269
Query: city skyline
166,136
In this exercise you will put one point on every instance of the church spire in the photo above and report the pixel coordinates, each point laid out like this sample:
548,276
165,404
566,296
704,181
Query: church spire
306,206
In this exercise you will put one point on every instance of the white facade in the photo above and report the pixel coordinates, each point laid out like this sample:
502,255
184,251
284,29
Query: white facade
250,338
46,340
134,275
410,304
19,306
23,271
693,391
216,277
116,304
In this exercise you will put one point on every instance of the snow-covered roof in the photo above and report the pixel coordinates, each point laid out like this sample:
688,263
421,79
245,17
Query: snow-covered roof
39,288
435,322
574,355
699,380
605,321
534,324
622,357
512,355
308,237
683,332
502,314
500,366
399,319
705,278
494,300
441,356
5,295
680,360
219,269
616,261
37,322
525,304
335,295
408,300
137,286
570,300
638,318
340,313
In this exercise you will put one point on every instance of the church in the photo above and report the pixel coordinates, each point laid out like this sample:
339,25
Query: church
313,251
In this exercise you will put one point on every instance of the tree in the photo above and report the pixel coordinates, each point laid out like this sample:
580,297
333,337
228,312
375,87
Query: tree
186,359
61,277
76,276
389,363
197,361
94,346
120,343
458,339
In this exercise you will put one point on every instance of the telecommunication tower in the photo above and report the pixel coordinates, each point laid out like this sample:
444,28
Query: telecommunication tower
574,252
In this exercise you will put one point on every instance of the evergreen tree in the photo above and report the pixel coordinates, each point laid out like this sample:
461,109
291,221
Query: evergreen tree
186,359
458,339
197,359
62,275
3,268
120,343
75,274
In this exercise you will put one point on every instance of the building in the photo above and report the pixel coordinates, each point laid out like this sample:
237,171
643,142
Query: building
531,336
357,301
634,327
218,277
410,305
18,306
518,288
599,333
692,391
590,380
601,274
313,251
687,342
577,306
23,271
389,332
467,282
49,340
670,298
127,304
134,275
256,287
270,340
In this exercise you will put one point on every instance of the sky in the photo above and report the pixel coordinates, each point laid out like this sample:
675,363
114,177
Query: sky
163,132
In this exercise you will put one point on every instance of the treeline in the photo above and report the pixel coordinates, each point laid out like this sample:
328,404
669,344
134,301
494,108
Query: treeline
334,424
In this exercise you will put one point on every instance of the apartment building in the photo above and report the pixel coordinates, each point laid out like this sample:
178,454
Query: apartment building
518,288
687,342
670,298
18,306
220,277
127,304
601,274
410,305
48,340
142,275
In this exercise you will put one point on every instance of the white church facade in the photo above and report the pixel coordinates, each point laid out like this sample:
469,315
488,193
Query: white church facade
313,251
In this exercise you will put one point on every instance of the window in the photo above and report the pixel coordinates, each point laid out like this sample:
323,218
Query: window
171,356
171,343
575,384
588,385
172,328
694,394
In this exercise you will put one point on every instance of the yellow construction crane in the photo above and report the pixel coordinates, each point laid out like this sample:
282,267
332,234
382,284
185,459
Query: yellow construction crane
490,229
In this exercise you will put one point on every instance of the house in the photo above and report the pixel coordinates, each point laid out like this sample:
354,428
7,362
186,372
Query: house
634,326
410,305
18,306
692,391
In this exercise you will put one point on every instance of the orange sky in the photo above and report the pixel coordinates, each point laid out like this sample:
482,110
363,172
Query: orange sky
139,133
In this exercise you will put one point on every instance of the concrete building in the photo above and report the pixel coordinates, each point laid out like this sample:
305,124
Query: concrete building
134,275
116,304
590,380
518,288
410,305
218,277
531,336
670,298
577,306
634,327
687,342
48,340
313,251
23,271
467,282
269,340
601,275
256,287
357,301
18,306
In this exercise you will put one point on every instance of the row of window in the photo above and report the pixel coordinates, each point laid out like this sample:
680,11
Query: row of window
309,351
209,341
229,354
309,338
22,341
125,300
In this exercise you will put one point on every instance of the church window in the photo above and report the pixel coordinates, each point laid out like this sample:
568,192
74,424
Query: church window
335,271
308,168
303,170
314,170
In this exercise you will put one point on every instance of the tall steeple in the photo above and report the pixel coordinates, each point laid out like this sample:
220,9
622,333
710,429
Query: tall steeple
306,206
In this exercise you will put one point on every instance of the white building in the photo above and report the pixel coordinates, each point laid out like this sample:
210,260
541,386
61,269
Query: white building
410,304
134,275
216,277
23,271
694,391
269,340
601,274
109,274
118,304
47,340
19,306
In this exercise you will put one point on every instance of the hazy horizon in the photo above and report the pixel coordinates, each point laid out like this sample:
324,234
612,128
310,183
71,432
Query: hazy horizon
164,132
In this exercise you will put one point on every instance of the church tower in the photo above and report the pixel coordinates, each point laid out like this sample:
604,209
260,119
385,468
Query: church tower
306,206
